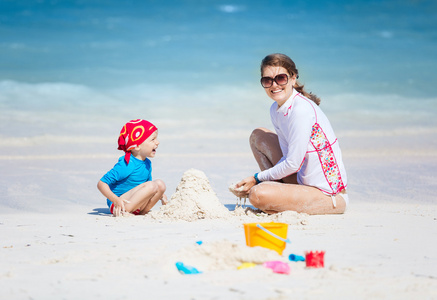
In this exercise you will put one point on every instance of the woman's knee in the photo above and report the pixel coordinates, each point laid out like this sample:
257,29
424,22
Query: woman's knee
258,196
255,135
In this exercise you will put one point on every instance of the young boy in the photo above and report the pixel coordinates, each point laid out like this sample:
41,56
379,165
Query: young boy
128,186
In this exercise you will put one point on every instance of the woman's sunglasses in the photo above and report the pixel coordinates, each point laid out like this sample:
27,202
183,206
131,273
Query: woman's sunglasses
281,79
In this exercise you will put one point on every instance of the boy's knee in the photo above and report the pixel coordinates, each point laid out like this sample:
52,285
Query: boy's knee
149,187
160,185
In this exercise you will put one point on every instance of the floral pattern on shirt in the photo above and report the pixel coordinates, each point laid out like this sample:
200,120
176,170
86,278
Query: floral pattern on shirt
327,159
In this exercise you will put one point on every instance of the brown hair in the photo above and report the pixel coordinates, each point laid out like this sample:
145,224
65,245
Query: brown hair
282,60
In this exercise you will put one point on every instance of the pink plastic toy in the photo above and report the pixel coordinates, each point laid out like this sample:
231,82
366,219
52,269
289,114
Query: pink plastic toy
315,259
278,267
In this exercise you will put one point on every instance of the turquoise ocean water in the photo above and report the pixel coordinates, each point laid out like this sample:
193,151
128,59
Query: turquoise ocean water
187,59
73,72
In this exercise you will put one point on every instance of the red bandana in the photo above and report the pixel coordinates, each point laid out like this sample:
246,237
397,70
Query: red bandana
133,134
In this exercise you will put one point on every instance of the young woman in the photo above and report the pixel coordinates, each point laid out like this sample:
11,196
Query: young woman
301,164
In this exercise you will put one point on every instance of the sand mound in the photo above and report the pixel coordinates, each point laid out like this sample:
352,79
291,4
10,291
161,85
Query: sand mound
224,255
194,199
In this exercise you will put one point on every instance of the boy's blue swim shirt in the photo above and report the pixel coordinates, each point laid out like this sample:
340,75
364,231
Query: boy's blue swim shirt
124,177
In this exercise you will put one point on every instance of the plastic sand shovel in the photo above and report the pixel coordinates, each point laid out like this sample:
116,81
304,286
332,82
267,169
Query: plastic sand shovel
246,265
272,234
184,269
278,267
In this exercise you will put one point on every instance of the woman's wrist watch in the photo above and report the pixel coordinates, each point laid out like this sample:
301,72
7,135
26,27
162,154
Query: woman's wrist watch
256,178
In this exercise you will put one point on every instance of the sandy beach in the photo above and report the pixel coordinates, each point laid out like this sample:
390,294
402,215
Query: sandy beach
59,242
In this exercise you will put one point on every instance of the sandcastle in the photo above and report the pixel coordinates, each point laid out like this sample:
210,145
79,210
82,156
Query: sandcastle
194,199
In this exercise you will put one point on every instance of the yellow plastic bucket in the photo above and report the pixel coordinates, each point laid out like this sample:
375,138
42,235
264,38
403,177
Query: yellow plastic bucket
268,235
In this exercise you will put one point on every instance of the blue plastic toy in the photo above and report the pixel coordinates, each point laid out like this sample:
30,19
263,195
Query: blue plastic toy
183,269
294,257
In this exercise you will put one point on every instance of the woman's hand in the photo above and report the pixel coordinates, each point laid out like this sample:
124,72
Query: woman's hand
245,185
119,208
164,200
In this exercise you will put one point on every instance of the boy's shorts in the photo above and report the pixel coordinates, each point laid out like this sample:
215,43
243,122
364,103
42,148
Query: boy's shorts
111,208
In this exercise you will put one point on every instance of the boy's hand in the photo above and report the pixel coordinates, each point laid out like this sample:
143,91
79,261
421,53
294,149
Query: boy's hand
164,200
119,208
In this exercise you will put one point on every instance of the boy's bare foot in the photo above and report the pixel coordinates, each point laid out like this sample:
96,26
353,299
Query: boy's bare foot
127,214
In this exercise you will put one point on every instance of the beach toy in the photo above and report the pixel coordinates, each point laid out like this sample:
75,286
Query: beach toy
295,257
278,267
199,242
268,235
246,265
315,259
184,269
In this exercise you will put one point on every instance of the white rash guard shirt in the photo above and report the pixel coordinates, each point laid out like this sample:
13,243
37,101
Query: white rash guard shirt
309,146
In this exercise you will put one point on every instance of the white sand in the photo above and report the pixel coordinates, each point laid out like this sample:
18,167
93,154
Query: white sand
58,242
371,252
